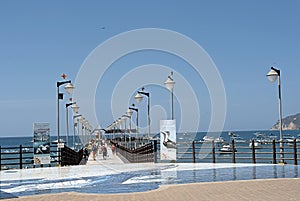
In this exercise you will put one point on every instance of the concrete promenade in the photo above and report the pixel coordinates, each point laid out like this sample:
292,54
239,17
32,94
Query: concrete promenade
272,189
110,159
263,189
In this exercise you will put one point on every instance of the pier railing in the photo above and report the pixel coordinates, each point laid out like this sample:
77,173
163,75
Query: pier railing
145,153
70,157
20,157
240,152
188,152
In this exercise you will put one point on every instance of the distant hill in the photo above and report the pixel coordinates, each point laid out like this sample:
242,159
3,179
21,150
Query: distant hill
289,123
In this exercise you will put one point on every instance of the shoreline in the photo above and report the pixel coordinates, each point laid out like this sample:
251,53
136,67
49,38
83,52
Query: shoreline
260,189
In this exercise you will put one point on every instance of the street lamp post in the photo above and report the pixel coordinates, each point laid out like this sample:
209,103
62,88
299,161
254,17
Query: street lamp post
69,88
129,114
120,122
272,76
169,83
83,130
114,126
124,119
75,109
67,121
138,99
137,118
74,117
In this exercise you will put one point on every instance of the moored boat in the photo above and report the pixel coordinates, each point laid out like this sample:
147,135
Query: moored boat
211,138
227,148
257,145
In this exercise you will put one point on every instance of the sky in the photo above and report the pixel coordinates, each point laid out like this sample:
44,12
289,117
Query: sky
41,40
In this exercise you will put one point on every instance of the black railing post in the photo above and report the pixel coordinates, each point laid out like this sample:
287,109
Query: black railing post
295,152
0,158
274,151
155,150
213,152
253,152
233,151
21,158
194,155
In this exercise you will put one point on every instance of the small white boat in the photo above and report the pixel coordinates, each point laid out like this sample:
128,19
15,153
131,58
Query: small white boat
257,145
226,148
238,139
231,134
25,150
11,151
215,139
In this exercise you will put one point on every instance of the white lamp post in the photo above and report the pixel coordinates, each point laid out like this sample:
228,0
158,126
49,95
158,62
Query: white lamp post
76,117
129,114
69,88
137,117
272,76
75,109
138,99
67,122
124,119
169,83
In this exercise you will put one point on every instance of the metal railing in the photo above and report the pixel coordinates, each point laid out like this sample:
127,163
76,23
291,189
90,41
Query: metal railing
240,152
22,157
189,152
145,153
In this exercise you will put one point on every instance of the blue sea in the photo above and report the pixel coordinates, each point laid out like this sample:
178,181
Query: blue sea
28,141
186,136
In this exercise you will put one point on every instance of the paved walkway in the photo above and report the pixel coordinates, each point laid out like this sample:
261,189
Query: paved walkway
263,189
272,189
110,159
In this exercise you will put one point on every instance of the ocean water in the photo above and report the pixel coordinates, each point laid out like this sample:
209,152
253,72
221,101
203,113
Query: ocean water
27,141
186,137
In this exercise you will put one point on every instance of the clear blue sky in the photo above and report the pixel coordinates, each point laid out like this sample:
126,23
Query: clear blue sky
41,40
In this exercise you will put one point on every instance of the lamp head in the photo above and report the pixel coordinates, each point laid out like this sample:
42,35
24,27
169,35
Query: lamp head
169,83
273,74
69,88
75,108
138,97
129,112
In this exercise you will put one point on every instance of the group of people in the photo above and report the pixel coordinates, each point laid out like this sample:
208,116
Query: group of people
94,148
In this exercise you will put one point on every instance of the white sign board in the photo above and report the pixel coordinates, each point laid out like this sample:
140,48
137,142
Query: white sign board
168,140
41,143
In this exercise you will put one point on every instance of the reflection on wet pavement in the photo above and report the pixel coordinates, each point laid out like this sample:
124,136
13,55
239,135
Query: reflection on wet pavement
144,180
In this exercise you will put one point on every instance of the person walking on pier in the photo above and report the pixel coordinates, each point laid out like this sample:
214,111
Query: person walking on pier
113,149
94,151
104,151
